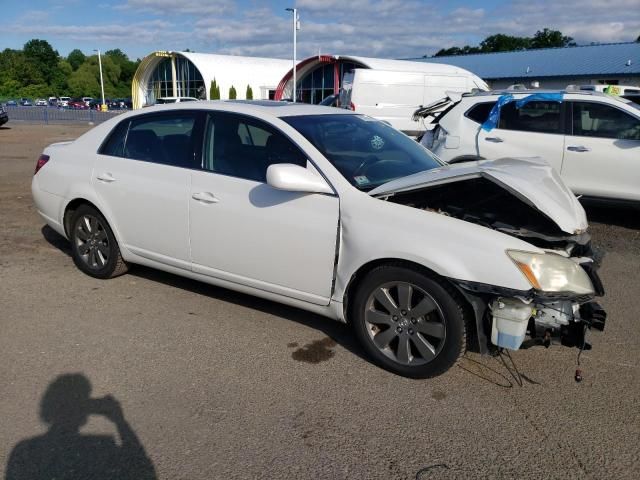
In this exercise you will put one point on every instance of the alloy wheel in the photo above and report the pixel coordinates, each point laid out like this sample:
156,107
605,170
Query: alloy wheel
405,323
92,242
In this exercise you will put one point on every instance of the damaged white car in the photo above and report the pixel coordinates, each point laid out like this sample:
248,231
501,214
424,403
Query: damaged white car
335,213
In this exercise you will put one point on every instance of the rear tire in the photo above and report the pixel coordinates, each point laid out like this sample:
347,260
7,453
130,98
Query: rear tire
408,322
94,248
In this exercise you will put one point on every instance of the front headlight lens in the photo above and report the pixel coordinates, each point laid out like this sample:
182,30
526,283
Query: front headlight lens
552,273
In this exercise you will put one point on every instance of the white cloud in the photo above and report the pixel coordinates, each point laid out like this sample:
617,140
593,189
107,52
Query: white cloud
153,33
180,7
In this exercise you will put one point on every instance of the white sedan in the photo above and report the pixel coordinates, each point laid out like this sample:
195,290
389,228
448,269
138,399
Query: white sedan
335,213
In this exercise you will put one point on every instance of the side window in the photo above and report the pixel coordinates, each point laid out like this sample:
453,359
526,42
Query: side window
543,117
598,120
245,147
164,139
480,112
114,145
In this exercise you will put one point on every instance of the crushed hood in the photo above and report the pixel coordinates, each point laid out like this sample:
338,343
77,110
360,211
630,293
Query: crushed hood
530,179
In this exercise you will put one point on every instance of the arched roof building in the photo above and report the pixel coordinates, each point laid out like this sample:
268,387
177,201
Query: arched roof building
188,74
320,76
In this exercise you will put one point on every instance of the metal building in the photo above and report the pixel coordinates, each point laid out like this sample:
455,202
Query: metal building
188,74
611,64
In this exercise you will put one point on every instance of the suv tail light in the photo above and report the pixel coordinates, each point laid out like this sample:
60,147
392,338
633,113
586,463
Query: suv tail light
352,106
42,160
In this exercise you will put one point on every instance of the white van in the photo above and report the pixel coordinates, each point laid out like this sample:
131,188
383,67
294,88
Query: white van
393,96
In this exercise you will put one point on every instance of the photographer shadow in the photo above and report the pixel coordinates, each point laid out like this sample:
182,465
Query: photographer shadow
64,453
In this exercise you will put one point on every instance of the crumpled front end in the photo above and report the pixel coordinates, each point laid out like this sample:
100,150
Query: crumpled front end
516,319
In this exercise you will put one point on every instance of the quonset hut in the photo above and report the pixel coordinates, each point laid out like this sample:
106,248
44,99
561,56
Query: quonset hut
188,74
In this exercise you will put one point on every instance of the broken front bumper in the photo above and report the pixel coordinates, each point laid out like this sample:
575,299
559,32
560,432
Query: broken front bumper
506,317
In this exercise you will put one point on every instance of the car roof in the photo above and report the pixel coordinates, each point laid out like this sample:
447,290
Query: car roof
489,93
266,108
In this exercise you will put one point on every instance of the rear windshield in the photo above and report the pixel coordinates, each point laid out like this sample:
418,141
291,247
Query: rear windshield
366,151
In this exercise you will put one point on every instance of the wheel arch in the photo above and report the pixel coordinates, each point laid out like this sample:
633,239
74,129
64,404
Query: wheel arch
473,323
69,210
72,205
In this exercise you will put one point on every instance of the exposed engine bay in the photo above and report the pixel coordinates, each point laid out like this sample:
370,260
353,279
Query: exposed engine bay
506,317
481,201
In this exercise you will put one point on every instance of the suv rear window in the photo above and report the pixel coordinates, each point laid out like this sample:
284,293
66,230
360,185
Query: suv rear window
480,112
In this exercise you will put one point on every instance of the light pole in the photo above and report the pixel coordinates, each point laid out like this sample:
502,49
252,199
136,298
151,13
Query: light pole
103,108
296,27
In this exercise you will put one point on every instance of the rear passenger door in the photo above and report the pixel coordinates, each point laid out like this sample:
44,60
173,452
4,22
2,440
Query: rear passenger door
602,153
142,177
247,232
535,130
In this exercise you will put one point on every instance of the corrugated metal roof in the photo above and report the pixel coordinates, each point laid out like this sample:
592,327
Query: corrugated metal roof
587,60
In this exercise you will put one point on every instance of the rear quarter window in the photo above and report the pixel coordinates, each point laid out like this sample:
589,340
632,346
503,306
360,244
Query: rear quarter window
114,144
480,112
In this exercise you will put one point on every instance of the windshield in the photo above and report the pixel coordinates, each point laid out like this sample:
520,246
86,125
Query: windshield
366,151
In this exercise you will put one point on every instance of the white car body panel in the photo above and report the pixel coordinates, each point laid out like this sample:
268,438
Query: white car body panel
583,171
149,205
282,245
255,234
499,143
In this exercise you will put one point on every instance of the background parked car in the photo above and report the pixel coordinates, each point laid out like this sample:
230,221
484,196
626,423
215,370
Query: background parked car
87,100
4,117
11,103
25,102
591,139
77,104
53,101
41,102
64,102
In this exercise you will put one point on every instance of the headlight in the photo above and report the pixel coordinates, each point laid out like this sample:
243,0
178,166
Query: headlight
552,273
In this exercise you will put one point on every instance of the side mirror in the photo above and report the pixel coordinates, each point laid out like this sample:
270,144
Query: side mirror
294,178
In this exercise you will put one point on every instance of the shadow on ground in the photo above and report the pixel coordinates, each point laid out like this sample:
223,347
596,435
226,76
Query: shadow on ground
621,216
336,331
64,452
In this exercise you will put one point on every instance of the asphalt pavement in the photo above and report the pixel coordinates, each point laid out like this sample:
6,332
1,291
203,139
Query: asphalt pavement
154,376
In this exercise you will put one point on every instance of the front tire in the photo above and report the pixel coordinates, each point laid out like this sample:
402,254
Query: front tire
94,248
408,322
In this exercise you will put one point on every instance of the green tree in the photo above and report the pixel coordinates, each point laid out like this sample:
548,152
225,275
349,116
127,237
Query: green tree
42,56
76,58
232,93
504,43
466,50
59,85
86,80
249,94
214,92
550,38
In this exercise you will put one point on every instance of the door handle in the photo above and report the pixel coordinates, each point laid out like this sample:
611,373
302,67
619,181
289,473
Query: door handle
205,197
106,177
578,148
494,139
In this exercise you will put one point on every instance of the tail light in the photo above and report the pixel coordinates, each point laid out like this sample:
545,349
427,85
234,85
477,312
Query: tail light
352,106
42,160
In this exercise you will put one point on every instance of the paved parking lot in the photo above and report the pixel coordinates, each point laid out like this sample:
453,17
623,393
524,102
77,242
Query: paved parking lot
214,384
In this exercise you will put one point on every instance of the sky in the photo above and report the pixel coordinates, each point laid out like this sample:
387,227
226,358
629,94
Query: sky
387,28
